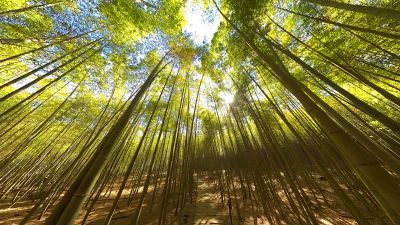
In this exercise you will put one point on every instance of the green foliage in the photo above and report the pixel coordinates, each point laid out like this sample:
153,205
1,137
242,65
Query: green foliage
58,91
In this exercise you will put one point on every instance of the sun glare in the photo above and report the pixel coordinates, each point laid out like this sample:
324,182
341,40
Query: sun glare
227,97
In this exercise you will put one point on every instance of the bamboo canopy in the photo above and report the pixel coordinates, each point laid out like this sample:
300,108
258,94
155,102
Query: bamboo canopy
199,112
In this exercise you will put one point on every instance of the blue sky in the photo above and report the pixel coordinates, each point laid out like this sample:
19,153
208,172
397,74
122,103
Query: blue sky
202,23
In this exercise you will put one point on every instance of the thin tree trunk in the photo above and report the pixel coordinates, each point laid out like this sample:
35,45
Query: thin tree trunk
346,26
370,10
378,181
69,207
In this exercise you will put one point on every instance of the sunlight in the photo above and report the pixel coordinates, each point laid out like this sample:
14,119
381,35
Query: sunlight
109,103
202,23
227,97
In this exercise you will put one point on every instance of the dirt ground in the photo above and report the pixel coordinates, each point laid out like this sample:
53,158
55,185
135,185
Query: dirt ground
207,208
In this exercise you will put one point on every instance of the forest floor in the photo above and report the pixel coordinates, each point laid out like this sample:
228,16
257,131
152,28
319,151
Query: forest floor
206,209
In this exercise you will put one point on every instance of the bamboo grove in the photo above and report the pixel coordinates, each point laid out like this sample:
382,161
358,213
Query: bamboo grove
111,112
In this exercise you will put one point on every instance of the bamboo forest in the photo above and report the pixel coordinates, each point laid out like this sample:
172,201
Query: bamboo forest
231,112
